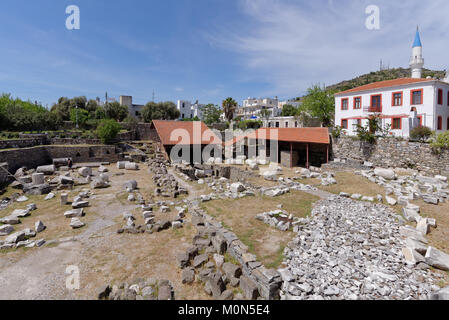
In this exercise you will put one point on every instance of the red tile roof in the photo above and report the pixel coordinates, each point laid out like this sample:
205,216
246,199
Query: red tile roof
306,135
192,132
385,84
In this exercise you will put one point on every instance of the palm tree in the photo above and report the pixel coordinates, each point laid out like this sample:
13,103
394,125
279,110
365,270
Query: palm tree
229,107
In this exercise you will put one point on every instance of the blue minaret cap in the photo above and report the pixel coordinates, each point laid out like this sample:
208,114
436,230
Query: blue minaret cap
417,42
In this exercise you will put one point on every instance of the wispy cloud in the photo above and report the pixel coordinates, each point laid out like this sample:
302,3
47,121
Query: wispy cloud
291,44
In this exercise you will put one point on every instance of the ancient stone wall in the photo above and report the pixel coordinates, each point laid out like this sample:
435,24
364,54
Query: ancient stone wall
21,143
392,152
144,132
267,282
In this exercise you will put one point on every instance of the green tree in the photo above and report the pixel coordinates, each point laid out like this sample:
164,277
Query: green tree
116,111
211,114
107,130
100,113
320,104
19,115
130,123
160,111
265,114
289,111
79,116
62,109
229,107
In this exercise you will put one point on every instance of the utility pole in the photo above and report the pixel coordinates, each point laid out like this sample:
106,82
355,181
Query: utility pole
153,95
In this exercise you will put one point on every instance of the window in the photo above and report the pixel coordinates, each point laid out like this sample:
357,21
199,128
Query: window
296,124
447,124
396,124
397,99
440,96
358,103
416,96
277,124
440,123
356,123
344,124
344,104
286,124
376,103
420,121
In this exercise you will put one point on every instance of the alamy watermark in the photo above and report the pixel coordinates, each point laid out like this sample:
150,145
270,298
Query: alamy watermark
73,21
373,20
72,282
199,146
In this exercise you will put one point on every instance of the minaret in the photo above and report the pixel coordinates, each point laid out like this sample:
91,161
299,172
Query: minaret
417,61
446,77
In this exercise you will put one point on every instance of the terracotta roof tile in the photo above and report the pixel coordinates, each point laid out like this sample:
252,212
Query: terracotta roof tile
384,84
197,132
307,135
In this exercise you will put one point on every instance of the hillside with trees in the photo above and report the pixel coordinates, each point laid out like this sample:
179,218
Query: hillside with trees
382,75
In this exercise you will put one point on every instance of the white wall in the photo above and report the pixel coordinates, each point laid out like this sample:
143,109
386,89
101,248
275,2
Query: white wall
429,111
185,109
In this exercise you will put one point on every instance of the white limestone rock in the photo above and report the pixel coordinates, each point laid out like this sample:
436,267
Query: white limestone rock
385,173
437,259
76,223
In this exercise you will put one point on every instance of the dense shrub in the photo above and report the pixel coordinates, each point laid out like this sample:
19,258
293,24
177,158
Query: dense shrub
441,141
250,124
107,130
337,131
420,133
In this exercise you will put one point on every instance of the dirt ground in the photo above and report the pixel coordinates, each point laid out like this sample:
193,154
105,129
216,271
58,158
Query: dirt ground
105,257
102,255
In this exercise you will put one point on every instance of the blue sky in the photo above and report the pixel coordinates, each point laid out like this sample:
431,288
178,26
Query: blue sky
207,49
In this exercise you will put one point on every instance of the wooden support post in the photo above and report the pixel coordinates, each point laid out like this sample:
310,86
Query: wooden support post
307,159
327,153
291,155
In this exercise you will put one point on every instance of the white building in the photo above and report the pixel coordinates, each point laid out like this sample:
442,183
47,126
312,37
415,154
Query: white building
188,110
402,103
293,103
282,122
252,107
134,109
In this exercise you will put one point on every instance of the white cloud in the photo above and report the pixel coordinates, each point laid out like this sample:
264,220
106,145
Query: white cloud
291,44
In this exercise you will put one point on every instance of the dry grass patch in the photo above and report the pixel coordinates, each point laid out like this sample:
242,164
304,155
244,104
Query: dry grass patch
265,242
349,182
439,237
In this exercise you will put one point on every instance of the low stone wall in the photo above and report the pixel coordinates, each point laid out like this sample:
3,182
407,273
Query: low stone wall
144,132
73,141
267,282
391,152
43,155
21,143
32,140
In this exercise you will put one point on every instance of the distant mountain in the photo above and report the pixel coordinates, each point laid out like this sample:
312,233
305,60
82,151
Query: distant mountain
389,74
